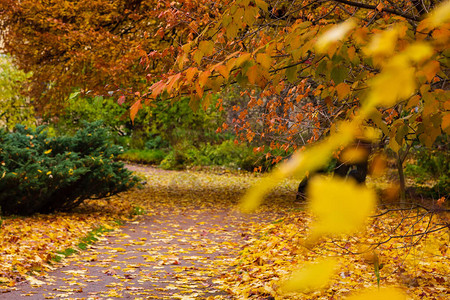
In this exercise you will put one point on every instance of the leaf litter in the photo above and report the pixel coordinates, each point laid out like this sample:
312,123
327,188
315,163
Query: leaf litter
192,243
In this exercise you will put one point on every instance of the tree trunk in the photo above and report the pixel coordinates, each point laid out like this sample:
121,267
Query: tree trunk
401,177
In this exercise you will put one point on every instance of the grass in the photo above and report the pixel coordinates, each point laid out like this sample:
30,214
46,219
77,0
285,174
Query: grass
152,157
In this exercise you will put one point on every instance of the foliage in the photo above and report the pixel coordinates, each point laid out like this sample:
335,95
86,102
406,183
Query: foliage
176,122
431,167
15,107
152,157
27,244
227,154
241,256
100,47
392,72
303,85
41,174
79,109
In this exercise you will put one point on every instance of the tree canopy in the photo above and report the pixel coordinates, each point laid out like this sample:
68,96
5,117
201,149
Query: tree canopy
96,46
268,49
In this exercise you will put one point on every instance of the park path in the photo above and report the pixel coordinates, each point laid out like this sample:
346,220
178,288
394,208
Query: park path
181,248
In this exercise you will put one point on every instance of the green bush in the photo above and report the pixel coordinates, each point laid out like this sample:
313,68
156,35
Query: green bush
41,174
152,157
226,154
431,166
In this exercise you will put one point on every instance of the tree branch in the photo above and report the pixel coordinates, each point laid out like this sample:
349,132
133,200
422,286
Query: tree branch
373,7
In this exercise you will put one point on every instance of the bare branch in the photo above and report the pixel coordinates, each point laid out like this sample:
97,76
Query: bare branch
373,7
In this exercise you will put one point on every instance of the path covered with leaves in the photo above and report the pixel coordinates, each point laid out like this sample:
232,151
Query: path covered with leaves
181,247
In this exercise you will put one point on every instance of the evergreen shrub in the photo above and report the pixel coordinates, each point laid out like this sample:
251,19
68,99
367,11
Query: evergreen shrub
39,174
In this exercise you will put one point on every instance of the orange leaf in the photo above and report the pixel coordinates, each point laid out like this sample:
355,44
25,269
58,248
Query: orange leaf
199,90
172,80
252,74
190,73
446,123
351,53
223,70
343,90
157,88
430,69
203,77
134,109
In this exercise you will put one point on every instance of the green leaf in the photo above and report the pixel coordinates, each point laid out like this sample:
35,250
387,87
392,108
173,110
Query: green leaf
291,74
262,5
338,74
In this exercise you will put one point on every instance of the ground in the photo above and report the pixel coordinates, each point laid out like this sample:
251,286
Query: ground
179,247
182,237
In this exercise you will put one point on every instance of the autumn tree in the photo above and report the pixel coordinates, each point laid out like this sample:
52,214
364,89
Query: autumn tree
101,47
298,92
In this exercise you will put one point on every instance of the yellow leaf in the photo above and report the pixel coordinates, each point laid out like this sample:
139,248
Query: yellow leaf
261,4
419,51
298,165
394,83
197,56
413,102
441,14
376,294
336,33
383,43
264,59
312,277
354,155
33,281
48,173
378,165
48,151
207,47
340,205
241,59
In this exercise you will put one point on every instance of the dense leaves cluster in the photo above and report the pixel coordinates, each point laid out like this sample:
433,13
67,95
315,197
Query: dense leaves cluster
101,46
42,174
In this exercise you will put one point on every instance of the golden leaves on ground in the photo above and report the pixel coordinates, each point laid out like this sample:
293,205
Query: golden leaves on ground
420,270
27,244
195,245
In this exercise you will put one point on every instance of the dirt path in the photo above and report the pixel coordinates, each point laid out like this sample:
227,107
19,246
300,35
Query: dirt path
178,250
